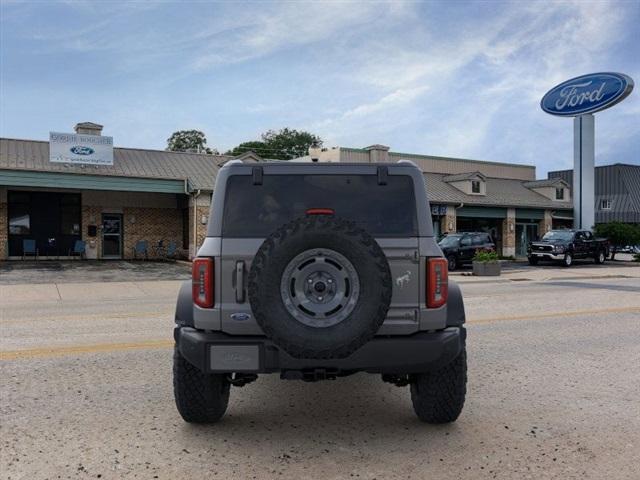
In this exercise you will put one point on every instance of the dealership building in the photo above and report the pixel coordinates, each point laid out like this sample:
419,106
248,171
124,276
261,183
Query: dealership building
504,199
128,195
139,195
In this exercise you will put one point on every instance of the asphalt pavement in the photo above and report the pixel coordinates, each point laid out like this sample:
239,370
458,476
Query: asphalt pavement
553,392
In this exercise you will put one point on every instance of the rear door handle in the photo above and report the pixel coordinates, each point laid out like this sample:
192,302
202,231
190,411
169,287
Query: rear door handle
240,281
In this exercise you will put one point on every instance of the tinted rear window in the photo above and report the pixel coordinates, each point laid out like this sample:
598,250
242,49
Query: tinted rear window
257,210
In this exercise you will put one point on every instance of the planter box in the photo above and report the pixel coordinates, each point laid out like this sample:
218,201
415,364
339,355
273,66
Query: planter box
486,269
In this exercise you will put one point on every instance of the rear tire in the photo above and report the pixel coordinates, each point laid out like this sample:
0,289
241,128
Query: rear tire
452,263
438,397
200,397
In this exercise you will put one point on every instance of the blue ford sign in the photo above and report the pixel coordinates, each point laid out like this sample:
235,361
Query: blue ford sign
587,94
79,150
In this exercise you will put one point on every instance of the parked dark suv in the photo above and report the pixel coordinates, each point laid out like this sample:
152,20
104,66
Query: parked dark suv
459,248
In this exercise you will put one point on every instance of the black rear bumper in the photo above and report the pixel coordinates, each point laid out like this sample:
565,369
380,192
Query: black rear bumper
218,352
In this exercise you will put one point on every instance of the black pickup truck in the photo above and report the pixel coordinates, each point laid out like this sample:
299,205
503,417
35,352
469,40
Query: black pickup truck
565,246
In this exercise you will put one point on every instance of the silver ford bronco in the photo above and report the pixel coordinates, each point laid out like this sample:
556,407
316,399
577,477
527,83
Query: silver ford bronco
317,271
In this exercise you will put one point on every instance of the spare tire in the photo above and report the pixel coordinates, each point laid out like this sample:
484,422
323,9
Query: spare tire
320,287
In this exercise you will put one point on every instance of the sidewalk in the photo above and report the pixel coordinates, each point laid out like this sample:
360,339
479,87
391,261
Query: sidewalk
25,294
90,271
523,273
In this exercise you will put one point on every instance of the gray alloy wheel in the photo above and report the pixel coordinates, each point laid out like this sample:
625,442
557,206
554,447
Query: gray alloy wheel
568,260
320,287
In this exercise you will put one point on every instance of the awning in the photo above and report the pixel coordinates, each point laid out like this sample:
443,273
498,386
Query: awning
481,212
29,178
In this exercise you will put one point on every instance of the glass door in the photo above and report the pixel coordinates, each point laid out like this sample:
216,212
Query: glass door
112,235
525,233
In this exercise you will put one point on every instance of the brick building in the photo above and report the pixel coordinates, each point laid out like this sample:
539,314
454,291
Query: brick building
145,195
156,195
504,199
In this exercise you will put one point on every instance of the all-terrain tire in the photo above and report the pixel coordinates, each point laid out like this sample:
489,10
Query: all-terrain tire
200,397
317,232
438,396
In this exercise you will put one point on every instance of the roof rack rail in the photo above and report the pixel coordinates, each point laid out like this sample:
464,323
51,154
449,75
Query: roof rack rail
404,161
235,161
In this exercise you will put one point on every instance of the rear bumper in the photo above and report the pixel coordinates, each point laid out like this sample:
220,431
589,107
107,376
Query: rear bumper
213,352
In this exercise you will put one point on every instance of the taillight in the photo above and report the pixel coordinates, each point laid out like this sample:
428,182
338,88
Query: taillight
202,282
320,211
437,282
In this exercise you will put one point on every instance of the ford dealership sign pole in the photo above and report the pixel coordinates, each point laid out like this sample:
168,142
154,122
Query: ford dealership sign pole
580,97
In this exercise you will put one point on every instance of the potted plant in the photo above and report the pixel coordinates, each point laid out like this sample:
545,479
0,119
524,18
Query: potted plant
486,264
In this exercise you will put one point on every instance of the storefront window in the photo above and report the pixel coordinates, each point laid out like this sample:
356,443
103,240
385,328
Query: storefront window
19,220
51,219
70,214
69,220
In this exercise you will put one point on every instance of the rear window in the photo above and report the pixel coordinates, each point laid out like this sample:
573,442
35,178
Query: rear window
478,239
257,210
483,238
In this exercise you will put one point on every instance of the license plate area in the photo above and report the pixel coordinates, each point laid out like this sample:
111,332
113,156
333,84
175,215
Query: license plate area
234,358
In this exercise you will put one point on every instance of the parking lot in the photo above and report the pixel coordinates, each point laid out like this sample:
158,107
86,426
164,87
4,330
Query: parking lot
85,356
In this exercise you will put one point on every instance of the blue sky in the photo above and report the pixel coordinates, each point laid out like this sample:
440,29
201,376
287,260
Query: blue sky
442,78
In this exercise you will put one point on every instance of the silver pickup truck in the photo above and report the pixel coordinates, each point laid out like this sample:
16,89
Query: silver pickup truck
318,271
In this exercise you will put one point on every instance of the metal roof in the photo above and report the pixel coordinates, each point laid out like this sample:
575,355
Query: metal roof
198,168
547,182
500,192
463,176
201,171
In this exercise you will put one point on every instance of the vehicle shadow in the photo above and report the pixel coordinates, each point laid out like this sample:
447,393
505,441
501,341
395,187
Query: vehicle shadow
359,409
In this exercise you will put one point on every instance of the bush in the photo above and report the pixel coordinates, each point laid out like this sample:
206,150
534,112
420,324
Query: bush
483,256
619,234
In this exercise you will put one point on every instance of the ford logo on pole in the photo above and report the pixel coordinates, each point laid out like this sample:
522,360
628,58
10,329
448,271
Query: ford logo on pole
79,150
587,94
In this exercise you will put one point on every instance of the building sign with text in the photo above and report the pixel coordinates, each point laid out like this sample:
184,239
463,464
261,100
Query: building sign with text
80,149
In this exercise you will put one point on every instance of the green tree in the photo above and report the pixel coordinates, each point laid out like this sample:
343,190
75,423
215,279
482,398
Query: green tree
619,234
283,144
188,141
256,146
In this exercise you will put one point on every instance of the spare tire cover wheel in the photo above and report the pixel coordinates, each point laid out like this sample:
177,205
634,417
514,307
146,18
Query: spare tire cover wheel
320,287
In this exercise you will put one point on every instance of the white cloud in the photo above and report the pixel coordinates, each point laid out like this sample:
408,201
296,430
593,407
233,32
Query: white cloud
443,78
484,80
288,25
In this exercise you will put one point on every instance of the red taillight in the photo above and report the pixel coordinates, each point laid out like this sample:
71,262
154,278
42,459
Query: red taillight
320,211
202,282
437,282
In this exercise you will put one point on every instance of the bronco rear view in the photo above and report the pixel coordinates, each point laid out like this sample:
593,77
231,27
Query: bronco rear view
317,271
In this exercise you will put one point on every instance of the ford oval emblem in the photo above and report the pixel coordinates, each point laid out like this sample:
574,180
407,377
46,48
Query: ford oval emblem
240,316
587,94
80,150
